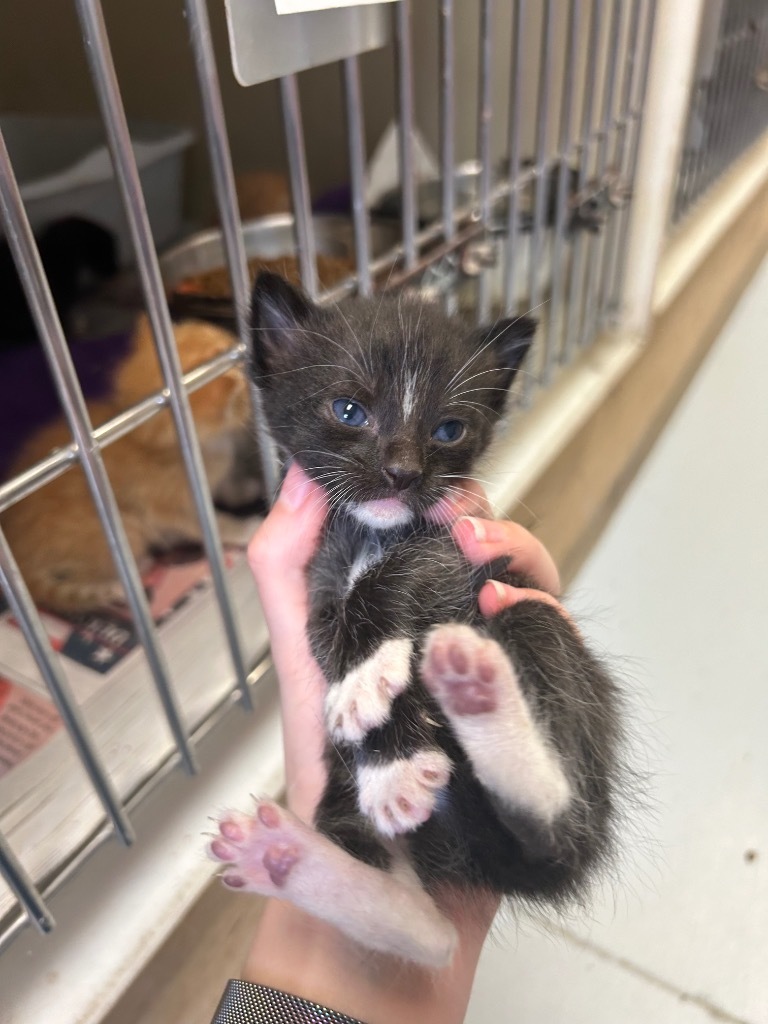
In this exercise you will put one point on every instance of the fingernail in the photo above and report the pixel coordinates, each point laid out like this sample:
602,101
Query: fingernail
296,488
498,589
485,531
477,526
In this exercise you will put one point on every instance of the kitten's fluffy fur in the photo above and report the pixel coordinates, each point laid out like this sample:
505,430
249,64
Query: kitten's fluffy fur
463,750
55,532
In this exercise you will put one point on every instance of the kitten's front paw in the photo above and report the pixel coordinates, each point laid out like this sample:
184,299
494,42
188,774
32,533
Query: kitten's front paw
362,700
260,850
400,795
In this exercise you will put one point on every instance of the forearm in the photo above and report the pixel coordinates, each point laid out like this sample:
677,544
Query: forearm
301,955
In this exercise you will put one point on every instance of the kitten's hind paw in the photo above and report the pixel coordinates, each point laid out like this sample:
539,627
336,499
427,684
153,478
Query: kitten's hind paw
361,701
464,670
478,688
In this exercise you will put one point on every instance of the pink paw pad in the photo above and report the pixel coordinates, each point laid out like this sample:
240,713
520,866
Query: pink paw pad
268,815
233,881
278,860
231,830
464,670
260,849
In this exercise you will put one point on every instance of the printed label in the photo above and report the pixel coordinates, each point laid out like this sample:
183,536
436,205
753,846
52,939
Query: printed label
300,6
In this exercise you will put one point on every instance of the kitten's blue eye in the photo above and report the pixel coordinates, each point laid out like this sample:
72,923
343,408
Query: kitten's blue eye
352,414
450,430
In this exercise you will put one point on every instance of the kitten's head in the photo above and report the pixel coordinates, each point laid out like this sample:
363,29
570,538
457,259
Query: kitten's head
385,402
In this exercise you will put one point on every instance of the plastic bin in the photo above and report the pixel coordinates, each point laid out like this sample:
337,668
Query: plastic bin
63,168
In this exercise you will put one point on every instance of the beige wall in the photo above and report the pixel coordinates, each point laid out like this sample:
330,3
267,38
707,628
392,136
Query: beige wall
42,70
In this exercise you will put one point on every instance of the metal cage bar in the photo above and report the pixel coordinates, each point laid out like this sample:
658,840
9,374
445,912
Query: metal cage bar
540,184
606,124
578,265
484,113
447,130
565,143
24,889
750,53
447,114
728,72
297,165
229,214
620,169
694,167
61,694
110,101
746,50
73,404
356,131
519,22
728,107
404,54
616,262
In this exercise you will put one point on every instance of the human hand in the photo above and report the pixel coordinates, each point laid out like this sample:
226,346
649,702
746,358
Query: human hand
278,555
483,539
330,972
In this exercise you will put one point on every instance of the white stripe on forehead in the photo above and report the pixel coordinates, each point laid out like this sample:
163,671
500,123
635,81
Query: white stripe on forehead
409,395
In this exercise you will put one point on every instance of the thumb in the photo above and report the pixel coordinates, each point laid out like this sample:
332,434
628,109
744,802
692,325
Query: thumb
288,538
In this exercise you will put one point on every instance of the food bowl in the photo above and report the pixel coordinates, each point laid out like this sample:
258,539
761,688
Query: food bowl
270,243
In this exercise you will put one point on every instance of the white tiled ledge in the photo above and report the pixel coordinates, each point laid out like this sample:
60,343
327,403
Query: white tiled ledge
116,912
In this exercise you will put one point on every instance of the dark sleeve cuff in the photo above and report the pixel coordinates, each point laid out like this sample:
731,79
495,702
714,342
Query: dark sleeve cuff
246,1003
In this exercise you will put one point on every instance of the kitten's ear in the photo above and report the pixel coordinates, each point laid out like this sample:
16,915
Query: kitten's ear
511,338
277,310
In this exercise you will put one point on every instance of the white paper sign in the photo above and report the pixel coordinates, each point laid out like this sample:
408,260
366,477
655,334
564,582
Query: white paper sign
299,6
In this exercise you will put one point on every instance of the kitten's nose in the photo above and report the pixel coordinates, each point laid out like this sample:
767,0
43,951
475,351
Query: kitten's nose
401,477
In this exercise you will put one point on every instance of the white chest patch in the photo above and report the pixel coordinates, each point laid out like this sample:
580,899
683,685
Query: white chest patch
384,514
368,556
364,561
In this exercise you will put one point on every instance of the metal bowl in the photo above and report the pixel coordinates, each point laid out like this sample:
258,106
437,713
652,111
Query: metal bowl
268,237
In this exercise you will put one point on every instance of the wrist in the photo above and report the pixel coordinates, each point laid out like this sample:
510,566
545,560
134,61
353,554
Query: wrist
296,953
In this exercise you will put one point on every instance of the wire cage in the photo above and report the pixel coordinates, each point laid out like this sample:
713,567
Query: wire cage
534,113
729,102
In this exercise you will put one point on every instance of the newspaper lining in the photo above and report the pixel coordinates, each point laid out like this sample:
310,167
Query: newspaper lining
48,808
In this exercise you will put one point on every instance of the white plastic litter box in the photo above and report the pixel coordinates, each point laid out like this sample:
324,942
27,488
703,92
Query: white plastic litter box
64,169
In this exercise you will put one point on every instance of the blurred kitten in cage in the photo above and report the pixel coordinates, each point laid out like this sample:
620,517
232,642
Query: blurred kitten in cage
55,532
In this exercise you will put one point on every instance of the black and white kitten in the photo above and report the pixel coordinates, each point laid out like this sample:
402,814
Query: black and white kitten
462,750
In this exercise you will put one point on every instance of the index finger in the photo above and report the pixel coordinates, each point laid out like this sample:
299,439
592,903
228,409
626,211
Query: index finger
482,540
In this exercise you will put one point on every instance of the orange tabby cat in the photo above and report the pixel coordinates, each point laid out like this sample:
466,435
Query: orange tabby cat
55,533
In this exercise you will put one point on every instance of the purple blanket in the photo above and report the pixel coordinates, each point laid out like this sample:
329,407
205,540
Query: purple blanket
28,397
